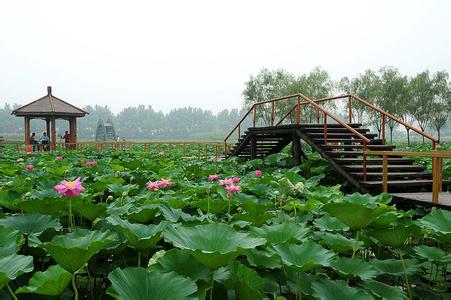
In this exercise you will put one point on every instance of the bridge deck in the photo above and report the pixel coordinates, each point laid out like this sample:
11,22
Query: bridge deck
444,199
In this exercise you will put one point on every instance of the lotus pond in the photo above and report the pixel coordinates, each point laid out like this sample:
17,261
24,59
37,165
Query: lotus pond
90,225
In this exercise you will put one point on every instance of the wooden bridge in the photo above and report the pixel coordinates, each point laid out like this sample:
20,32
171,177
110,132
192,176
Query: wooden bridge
361,157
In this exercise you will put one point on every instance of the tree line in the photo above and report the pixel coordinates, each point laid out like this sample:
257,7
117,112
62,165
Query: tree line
423,99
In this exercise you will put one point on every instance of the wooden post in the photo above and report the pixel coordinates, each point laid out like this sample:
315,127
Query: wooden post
385,173
435,180
364,161
298,110
27,130
47,126
273,110
325,129
53,139
350,109
253,147
440,174
254,109
296,149
383,129
72,131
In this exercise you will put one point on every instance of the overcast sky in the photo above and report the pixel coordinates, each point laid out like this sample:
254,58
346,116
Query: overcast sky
200,53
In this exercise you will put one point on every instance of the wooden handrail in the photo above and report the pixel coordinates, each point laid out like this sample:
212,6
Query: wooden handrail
419,131
437,167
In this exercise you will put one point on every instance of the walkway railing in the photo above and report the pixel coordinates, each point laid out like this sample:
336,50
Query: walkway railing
187,148
437,167
302,100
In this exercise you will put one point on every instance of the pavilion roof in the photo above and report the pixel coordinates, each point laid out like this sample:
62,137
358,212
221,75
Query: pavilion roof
49,105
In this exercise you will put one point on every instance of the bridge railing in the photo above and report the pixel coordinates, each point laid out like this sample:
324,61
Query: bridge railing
437,167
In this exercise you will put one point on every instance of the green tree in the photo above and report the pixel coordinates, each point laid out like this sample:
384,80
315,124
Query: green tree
441,104
422,93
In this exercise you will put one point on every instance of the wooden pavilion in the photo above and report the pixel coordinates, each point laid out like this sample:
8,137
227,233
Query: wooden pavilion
50,108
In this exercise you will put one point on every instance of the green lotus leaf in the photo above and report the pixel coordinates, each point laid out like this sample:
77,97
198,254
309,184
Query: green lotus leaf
31,223
10,241
354,267
433,254
248,284
120,189
214,245
384,291
255,212
396,267
329,223
142,213
12,266
143,284
139,236
355,215
263,259
51,282
73,250
174,215
439,224
339,243
304,257
396,236
338,290
182,262
286,232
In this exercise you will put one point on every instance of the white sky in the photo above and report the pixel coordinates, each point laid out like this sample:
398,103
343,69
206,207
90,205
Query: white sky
199,53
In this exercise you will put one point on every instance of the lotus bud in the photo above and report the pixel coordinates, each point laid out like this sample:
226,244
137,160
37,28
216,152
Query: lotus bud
8,184
299,188
110,198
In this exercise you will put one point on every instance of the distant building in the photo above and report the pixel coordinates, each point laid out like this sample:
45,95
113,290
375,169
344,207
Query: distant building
105,131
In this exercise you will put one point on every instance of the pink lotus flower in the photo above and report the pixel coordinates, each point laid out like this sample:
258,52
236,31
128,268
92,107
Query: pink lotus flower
235,180
91,163
59,158
258,173
164,183
232,189
31,153
20,159
70,188
29,167
213,177
81,160
226,182
152,186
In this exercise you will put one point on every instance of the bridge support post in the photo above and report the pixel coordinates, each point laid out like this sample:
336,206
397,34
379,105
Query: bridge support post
296,149
253,147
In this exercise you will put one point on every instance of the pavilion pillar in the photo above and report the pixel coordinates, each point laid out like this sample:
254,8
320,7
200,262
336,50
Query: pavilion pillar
73,132
27,130
53,138
47,123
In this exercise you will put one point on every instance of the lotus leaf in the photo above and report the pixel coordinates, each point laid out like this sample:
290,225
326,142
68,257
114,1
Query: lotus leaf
51,282
139,236
280,233
12,266
396,267
214,245
31,223
354,267
433,254
248,284
338,290
439,223
143,284
384,291
10,241
182,262
73,250
304,257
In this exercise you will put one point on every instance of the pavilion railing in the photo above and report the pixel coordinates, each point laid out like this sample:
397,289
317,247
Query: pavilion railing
199,149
